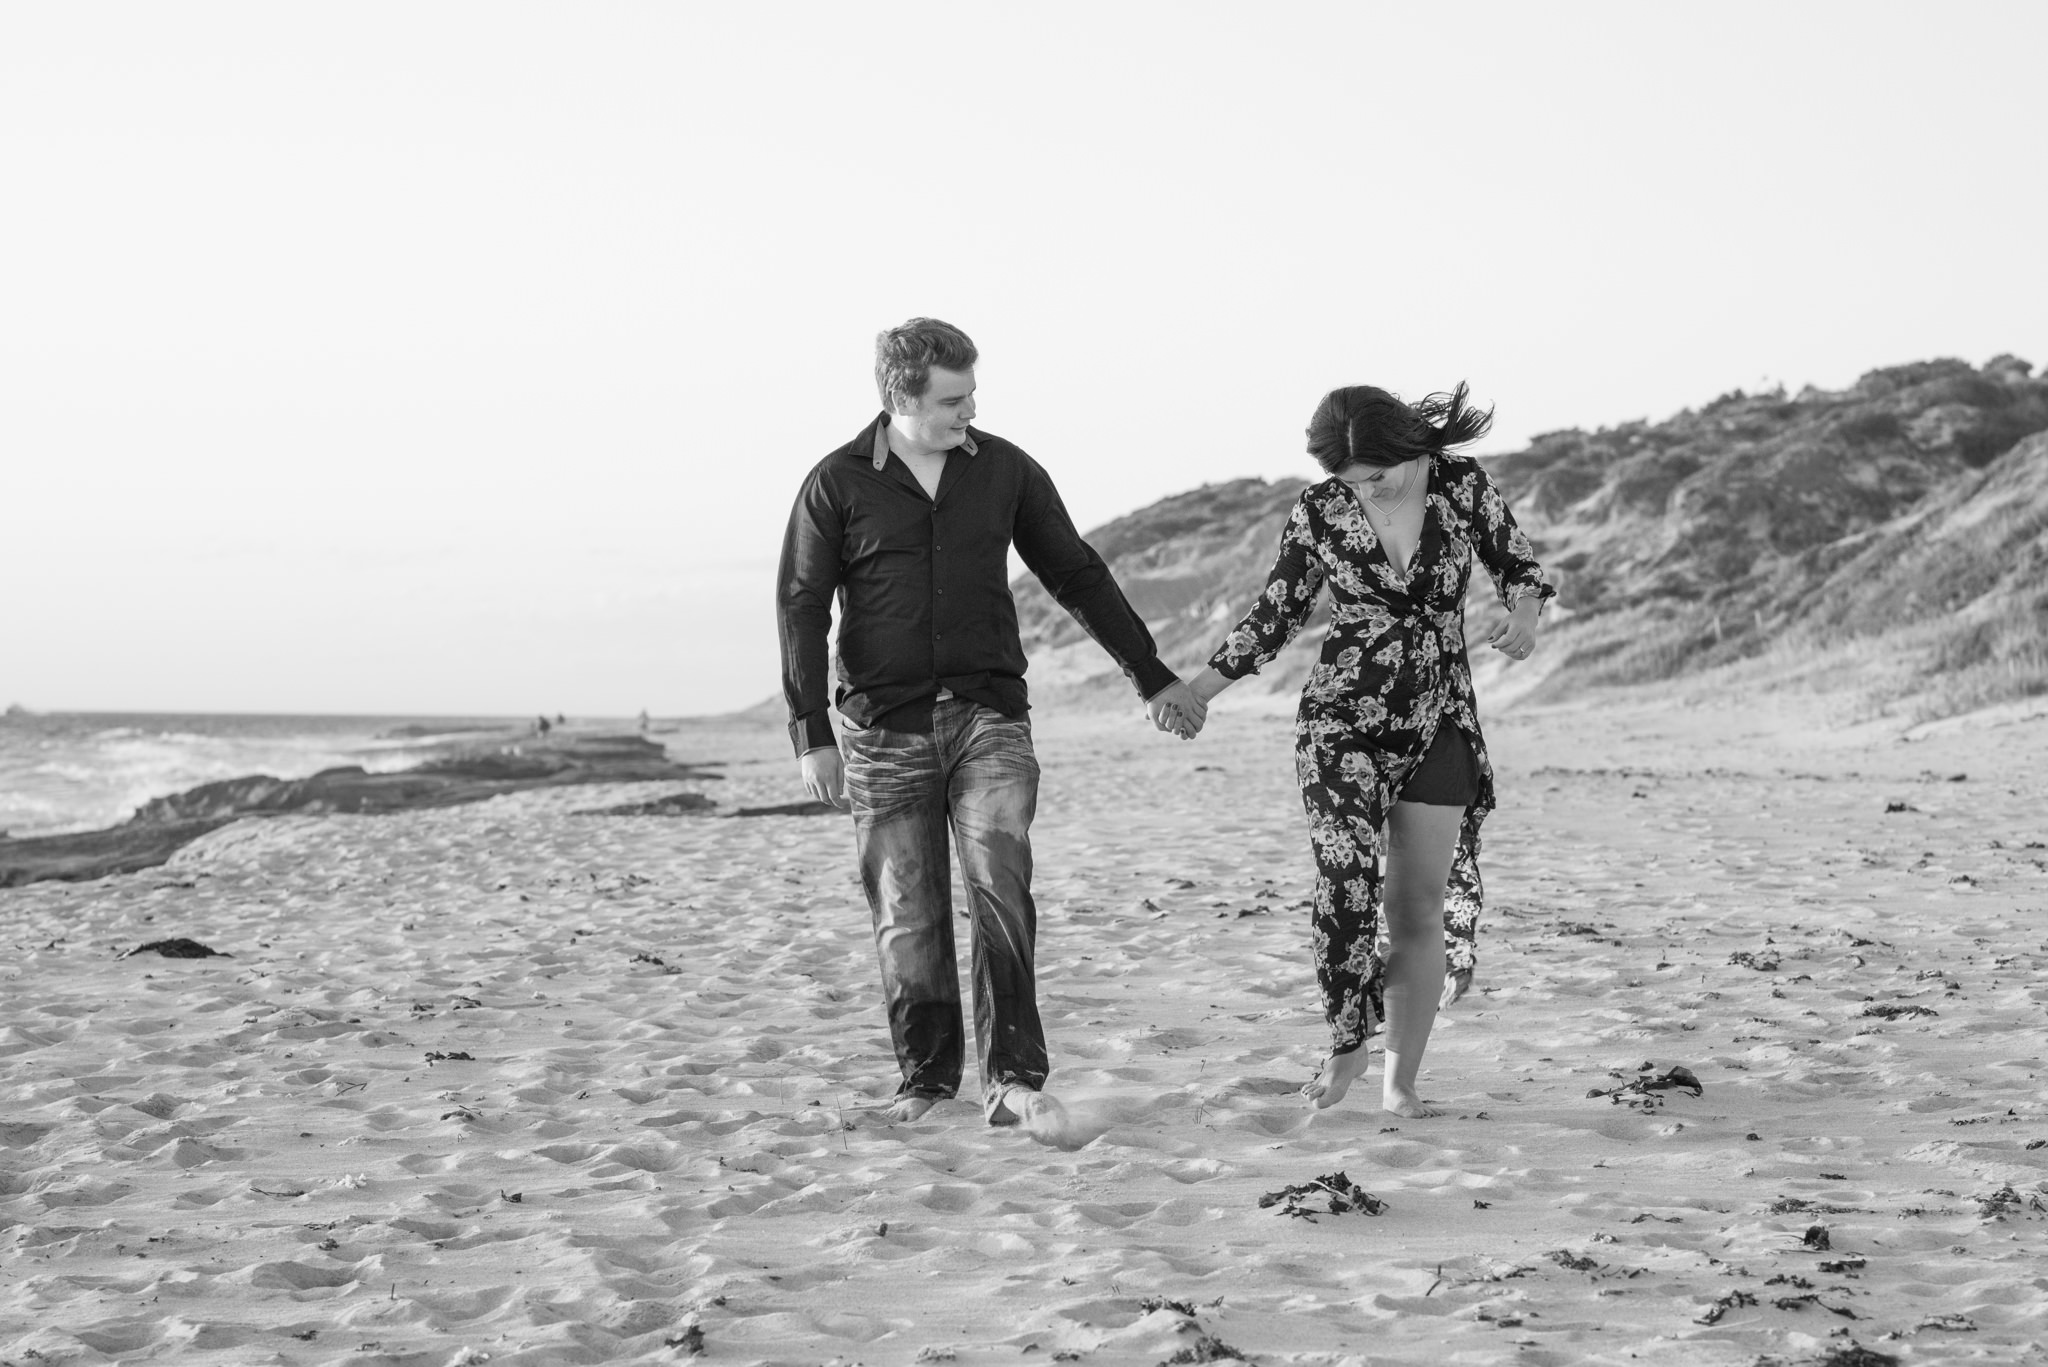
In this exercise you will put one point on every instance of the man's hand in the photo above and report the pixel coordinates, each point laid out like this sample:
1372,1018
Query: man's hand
1178,710
825,776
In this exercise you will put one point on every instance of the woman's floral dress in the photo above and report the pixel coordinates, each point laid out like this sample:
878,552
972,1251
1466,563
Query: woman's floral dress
1393,669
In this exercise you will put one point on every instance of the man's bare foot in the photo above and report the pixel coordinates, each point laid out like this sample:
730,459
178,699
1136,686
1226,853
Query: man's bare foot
1015,1104
1339,1072
909,1106
1404,1101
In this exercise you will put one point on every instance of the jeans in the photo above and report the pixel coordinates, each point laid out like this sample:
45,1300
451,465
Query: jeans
973,774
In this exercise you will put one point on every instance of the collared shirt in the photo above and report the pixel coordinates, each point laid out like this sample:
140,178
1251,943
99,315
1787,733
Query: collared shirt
922,583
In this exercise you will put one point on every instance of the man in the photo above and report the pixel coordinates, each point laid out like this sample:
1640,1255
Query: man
910,524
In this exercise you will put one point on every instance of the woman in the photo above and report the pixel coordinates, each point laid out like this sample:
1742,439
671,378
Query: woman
1393,769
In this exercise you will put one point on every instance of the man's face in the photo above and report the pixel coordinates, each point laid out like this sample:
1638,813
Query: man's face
937,419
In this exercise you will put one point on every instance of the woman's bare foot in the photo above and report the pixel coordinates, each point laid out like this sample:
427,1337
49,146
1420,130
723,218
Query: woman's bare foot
1339,1072
909,1106
1404,1101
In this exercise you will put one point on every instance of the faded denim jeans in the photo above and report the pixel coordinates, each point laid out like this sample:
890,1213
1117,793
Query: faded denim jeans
973,774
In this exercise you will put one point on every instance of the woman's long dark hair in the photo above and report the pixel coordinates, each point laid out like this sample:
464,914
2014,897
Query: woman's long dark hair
1364,425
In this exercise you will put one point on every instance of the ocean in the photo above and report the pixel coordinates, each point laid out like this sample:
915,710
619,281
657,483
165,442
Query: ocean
79,771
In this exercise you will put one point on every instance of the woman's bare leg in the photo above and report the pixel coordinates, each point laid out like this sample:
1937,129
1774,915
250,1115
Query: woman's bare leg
1422,839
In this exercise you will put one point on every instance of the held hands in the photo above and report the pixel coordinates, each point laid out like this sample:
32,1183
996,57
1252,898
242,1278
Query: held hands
1177,710
1515,637
825,776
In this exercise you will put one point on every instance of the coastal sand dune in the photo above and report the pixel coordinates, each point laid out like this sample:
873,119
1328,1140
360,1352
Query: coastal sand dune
510,1081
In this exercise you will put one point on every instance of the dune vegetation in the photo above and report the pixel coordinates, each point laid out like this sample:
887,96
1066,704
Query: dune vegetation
1888,541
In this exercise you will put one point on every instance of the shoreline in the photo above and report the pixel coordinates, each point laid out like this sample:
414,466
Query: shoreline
453,775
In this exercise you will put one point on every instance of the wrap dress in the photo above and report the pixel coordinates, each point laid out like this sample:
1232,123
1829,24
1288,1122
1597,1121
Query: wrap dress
1392,670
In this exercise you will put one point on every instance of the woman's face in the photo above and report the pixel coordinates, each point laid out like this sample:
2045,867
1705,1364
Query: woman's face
1386,480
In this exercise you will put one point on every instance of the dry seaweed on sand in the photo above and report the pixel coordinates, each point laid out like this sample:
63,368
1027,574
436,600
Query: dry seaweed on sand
1812,1298
1891,1011
2005,1201
1338,1193
1644,1091
178,947
1800,1205
1856,1355
1207,1348
675,804
1734,1300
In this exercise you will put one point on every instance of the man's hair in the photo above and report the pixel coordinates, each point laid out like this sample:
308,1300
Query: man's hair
905,355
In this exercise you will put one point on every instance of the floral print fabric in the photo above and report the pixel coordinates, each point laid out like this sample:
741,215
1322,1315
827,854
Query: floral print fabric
1392,670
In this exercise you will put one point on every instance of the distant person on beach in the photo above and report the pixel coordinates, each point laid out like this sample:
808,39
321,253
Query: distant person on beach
542,726
909,525
1393,769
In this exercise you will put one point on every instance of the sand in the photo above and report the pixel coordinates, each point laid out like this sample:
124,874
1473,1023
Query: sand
506,1082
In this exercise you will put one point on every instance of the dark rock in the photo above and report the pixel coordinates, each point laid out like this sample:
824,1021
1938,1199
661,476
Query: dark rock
446,782
675,804
178,947
793,809
95,854
161,826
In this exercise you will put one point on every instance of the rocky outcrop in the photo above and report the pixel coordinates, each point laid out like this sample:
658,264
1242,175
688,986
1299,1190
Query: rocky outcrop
437,783
161,826
96,854
1914,499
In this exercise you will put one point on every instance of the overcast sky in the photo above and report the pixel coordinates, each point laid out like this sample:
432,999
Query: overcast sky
465,357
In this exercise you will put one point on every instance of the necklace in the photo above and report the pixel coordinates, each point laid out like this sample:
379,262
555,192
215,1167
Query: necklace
1388,510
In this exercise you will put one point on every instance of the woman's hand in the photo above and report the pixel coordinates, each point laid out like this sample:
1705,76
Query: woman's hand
1516,636
1175,710
1456,985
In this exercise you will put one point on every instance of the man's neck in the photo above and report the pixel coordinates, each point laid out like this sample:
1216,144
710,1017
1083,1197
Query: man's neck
909,450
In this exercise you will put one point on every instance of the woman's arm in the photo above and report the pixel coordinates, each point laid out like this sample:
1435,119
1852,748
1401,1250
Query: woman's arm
1207,684
1281,611
1511,561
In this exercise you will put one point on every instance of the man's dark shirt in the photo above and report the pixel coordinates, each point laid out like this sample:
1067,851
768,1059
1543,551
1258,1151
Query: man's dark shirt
923,583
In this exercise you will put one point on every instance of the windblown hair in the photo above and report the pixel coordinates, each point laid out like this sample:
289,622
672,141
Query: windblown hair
905,355
1363,425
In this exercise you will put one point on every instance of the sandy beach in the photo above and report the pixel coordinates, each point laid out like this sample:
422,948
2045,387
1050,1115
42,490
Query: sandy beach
510,1082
